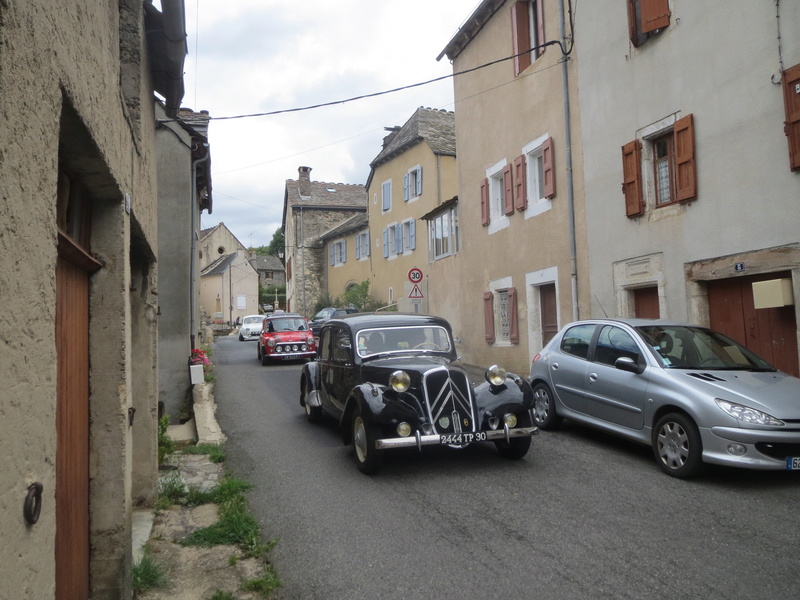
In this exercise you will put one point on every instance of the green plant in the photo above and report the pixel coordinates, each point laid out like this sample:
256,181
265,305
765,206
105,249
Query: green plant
219,595
216,453
147,574
171,490
265,584
165,444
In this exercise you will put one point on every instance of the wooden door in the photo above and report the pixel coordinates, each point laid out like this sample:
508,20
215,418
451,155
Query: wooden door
645,302
72,431
547,300
769,332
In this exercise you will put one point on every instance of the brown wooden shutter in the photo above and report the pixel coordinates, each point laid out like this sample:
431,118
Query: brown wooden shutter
520,184
513,316
485,202
540,26
684,159
633,30
632,178
520,36
791,100
548,168
488,317
508,191
655,14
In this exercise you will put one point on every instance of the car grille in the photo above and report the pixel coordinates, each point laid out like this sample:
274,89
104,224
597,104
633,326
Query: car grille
290,348
780,451
448,400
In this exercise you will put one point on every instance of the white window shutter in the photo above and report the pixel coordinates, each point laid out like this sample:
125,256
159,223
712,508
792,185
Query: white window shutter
419,181
412,235
367,245
385,243
406,191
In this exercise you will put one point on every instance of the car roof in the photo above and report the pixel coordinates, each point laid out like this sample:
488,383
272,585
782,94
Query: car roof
631,322
359,321
252,316
281,315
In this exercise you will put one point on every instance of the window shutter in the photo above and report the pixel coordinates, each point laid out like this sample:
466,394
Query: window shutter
385,243
513,316
419,181
412,235
655,14
367,245
685,162
540,26
358,246
548,166
333,254
344,252
485,202
508,190
520,184
406,193
791,100
398,239
488,317
520,36
632,178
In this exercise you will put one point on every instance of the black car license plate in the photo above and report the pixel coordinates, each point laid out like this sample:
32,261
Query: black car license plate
290,356
462,438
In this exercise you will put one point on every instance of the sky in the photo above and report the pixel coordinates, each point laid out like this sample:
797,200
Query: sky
256,56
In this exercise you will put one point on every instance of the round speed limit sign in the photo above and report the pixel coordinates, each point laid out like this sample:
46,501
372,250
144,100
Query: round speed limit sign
415,275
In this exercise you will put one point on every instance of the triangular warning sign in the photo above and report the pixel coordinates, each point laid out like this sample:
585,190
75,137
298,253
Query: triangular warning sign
416,292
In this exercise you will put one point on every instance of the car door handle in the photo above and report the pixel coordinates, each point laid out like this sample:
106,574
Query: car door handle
554,366
592,377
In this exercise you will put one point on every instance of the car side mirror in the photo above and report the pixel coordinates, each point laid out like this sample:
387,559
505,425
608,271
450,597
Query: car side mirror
625,363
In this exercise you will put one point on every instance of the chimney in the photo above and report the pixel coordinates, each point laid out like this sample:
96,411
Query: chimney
304,181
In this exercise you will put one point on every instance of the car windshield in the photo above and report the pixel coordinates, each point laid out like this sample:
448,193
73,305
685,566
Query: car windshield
286,324
683,347
248,320
325,313
394,340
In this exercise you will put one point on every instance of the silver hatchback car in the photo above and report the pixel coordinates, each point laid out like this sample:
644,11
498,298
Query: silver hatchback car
691,393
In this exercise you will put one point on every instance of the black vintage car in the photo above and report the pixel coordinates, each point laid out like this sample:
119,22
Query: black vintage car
393,380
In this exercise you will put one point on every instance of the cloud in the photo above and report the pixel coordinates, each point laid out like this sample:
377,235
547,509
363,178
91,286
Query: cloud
254,56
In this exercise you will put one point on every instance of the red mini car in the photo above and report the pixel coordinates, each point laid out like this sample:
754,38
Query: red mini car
285,336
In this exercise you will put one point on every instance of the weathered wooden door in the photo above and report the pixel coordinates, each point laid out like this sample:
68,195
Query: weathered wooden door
769,332
549,309
645,302
72,430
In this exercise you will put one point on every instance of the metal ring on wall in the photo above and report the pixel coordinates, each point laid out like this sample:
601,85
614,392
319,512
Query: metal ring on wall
33,503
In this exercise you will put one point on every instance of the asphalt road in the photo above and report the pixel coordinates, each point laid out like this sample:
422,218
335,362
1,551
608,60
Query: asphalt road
582,516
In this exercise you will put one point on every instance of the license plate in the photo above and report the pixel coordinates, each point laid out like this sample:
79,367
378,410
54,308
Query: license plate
793,463
463,438
290,356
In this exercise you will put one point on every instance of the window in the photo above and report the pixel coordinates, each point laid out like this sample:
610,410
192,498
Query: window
412,184
527,32
393,240
443,234
646,18
534,177
409,235
614,343
386,195
362,245
791,100
501,320
338,253
497,196
671,149
577,339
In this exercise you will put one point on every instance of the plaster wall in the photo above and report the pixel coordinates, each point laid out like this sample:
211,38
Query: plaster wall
53,55
497,115
721,71
355,270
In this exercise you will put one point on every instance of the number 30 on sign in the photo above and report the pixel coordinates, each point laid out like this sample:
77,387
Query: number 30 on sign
415,275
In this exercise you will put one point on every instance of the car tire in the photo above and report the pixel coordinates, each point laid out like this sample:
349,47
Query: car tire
517,447
241,337
368,458
313,413
264,359
545,416
677,446
258,350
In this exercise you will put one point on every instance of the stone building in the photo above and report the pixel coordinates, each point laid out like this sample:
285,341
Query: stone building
310,209
78,266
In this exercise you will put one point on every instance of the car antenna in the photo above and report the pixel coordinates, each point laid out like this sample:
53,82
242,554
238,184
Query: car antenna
601,306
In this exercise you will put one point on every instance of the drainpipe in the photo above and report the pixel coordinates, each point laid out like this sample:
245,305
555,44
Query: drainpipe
193,257
573,266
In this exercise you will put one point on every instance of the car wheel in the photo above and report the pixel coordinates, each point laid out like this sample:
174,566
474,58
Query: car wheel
517,447
241,337
677,447
313,413
544,408
264,359
258,350
368,458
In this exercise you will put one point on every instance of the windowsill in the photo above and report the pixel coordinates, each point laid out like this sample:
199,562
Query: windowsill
537,208
498,223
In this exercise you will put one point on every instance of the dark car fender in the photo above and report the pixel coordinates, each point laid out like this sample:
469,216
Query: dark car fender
514,396
371,400
309,384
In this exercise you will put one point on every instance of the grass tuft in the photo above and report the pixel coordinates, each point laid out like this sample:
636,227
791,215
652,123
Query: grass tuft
147,575
265,584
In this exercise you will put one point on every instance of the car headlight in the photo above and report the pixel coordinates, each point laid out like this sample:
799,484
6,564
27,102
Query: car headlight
400,381
747,415
496,375
271,342
510,419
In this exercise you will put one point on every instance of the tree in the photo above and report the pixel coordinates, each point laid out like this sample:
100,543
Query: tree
275,246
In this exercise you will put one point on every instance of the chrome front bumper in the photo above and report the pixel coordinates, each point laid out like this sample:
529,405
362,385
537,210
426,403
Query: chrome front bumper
506,434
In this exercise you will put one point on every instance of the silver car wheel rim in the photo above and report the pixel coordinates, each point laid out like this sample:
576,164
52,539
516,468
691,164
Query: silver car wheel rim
541,405
673,445
360,439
